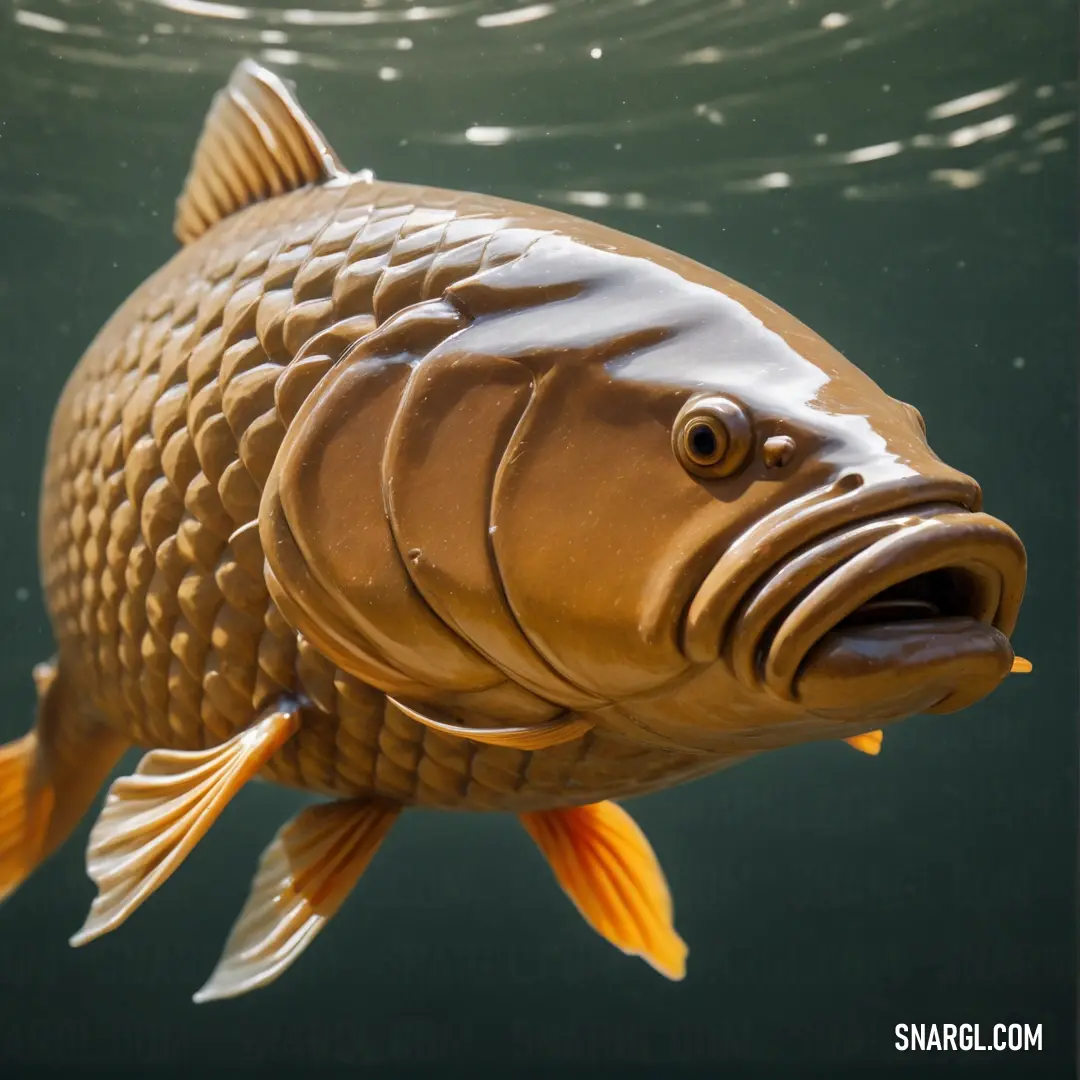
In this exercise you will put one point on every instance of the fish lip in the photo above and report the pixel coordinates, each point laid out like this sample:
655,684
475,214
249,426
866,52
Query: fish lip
710,622
762,608
980,563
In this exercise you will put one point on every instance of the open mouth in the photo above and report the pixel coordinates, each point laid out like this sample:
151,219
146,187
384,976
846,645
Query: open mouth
913,606
951,591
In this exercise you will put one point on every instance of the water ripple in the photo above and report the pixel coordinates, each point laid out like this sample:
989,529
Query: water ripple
632,105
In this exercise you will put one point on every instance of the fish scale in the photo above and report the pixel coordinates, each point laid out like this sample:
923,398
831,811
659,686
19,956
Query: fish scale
187,645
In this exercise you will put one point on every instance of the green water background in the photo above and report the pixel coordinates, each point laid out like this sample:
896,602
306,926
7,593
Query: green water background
807,148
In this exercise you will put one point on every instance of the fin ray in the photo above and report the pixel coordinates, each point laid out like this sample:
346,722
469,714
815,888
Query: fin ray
256,142
23,812
303,878
152,819
620,881
607,867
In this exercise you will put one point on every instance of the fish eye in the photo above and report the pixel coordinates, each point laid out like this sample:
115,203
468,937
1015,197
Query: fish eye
706,441
711,436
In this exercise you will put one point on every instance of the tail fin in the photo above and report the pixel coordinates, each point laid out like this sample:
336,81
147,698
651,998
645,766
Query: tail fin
49,777
25,808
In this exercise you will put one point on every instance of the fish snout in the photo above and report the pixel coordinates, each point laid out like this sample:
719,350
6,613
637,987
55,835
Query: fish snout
788,547
901,614
878,595
901,474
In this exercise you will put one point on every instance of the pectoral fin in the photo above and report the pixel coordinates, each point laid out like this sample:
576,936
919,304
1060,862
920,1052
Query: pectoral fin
303,878
607,867
868,743
560,729
1020,666
152,819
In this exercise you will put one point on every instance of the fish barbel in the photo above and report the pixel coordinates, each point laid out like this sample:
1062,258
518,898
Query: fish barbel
417,498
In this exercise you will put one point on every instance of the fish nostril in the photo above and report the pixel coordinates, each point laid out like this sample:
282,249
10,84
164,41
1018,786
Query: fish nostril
777,451
849,482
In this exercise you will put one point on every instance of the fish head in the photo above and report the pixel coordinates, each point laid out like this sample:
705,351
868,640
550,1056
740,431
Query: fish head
628,481
706,511
872,586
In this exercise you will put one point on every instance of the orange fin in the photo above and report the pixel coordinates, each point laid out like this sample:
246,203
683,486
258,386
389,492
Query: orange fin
49,777
256,142
303,878
560,729
869,742
1020,666
152,819
607,867
25,806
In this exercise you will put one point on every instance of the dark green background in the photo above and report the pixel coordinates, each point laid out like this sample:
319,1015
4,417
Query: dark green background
826,896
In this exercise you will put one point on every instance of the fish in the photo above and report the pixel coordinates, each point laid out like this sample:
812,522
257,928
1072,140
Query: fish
408,498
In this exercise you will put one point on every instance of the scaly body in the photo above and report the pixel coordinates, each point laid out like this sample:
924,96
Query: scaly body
408,497
159,450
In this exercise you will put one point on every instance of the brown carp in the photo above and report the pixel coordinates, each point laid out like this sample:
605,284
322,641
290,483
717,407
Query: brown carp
415,498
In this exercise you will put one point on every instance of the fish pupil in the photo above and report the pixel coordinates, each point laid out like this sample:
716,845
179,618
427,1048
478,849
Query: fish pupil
702,441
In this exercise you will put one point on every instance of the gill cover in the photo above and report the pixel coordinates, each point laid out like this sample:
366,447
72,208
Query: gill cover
375,520
432,493
333,566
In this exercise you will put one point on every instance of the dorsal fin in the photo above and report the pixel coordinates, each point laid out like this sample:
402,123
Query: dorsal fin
256,142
